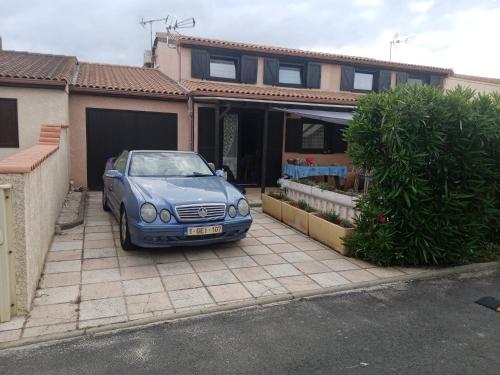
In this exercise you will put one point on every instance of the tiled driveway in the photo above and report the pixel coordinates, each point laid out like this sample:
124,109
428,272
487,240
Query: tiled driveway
90,281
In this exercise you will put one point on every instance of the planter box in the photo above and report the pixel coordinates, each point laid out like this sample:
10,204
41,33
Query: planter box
271,206
328,233
295,217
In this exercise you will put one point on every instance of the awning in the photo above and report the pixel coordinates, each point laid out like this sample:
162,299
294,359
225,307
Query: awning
341,118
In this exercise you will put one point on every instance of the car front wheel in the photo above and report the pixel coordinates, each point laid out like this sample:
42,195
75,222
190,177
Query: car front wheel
124,232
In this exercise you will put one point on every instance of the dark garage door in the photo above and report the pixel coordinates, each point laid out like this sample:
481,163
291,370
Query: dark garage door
111,131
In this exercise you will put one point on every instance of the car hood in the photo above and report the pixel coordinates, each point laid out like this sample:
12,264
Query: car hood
173,191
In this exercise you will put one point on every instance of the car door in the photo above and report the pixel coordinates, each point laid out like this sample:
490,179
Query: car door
115,185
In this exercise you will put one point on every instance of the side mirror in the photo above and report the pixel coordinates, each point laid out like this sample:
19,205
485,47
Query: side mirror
113,173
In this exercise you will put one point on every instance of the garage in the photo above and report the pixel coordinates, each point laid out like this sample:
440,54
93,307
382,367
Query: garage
111,131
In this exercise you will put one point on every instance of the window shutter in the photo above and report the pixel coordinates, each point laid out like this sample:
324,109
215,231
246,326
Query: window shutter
313,75
200,64
9,131
249,69
206,129
384,80
271,71
436,81
346,78
401,77
293,136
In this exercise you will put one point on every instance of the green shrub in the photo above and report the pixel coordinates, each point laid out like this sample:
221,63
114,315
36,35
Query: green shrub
303,205
324,186
330,216
435,163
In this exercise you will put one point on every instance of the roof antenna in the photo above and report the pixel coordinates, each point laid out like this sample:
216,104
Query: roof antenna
397,39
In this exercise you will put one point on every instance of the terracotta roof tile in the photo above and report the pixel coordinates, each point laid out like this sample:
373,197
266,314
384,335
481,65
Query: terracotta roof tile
199,41
36,66
211,88
121,79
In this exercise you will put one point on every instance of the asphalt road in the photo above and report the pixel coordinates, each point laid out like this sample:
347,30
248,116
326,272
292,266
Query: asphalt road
423,327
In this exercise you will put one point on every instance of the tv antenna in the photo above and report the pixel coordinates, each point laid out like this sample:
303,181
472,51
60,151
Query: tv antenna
172,24
397,39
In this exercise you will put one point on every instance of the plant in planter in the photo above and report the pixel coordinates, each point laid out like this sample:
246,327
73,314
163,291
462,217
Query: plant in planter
271,203
296,214
329,229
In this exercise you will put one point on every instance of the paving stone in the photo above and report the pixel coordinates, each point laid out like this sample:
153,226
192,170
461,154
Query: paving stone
229,252
358,275
298,283
63,266
251,274
98,229
139,272
13,335
101,290
60,279
177,268
99,263
199,254
67,237
280,270
131,261
99,244
271,240
102,321
229,292
169,257
256,249
96,223
217,277
309,245
50,296
247,242
312,266
48,330
42,315
385,272
142,286
141,316
328,279
283,232
147,303
261,233
296,256
98,236
163,312
239,262
208,265
324,254
16,322
340,264
283,248
99,276
66,245
295,238
186,281
190,297
267,259
56,256
361,263
102,308
263,288
99,253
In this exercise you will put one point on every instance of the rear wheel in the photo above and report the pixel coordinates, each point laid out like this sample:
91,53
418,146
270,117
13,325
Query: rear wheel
105,206
125,241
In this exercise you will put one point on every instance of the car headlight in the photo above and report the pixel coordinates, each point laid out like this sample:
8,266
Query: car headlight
148,212
165,215
243,207
231,211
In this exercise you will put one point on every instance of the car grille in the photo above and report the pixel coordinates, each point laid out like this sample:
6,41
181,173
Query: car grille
194,212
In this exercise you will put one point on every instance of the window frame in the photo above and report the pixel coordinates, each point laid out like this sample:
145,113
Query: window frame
328,145
374,80
302,69
422,77
15,143
237,67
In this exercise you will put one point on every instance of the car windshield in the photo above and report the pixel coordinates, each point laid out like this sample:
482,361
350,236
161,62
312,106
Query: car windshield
167,164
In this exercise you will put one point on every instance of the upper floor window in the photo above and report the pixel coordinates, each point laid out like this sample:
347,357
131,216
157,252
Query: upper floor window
290,75
9,132
363,81
222,68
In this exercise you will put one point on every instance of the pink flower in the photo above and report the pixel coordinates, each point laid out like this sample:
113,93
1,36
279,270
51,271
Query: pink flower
381,218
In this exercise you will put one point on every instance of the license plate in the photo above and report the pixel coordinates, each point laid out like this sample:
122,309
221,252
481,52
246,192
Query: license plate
201,231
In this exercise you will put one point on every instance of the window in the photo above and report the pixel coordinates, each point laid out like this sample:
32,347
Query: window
9,132
290,75
222,68
313,136
121,162
413,80
363,81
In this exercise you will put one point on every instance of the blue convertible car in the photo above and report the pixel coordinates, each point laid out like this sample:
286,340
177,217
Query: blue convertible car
172,198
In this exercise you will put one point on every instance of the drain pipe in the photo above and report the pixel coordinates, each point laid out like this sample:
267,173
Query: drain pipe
190,104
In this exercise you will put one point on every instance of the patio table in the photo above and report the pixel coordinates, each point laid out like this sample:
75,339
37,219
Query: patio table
302,171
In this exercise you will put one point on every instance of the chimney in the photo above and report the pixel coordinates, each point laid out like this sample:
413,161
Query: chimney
148,59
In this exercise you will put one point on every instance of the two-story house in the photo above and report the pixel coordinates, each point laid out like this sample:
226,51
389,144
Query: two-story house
254,107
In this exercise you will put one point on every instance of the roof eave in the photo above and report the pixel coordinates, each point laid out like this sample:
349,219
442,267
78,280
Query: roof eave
125,93
33,82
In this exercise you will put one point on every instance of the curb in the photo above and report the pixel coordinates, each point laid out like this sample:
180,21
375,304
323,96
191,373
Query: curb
264,301
81,215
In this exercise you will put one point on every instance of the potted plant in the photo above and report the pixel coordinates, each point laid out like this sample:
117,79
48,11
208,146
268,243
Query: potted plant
296,214
329,229
271,203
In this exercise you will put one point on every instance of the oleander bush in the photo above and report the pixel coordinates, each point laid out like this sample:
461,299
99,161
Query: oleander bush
435,162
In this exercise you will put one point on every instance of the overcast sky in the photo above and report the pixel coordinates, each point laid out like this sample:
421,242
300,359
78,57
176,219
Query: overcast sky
457,34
